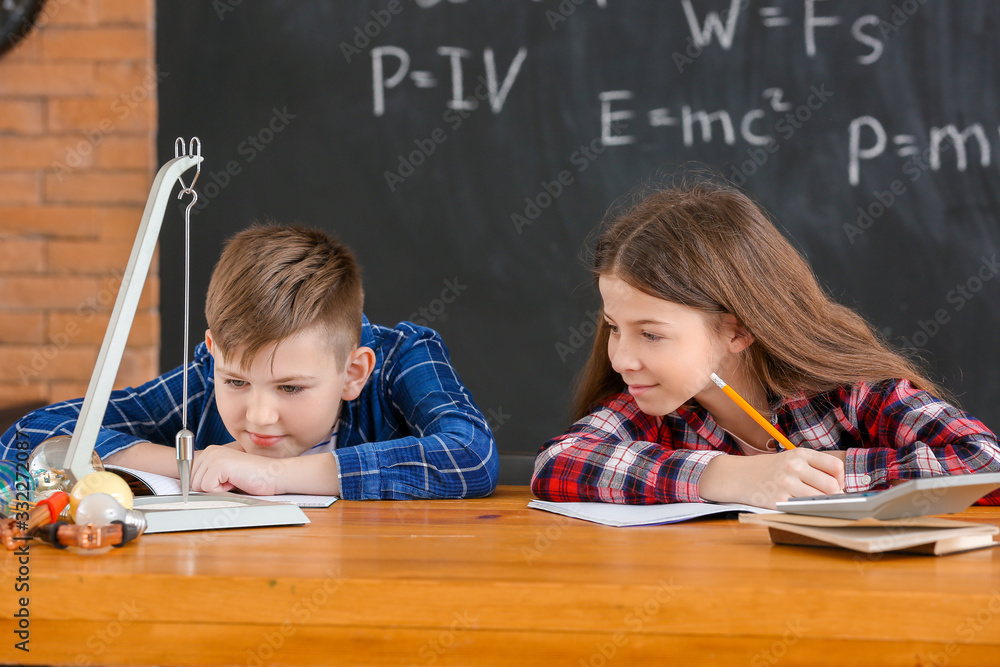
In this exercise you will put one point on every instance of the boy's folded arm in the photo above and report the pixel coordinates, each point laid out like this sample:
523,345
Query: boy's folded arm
450,452
60,419
148,413
609,456
915,434
221,468
457,460
146,456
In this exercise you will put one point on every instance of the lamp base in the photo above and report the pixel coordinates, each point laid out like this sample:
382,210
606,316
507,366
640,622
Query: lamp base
215,511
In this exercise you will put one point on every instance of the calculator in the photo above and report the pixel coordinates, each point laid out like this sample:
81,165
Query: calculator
946,494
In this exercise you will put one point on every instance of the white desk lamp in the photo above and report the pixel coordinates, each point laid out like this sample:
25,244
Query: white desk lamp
208,511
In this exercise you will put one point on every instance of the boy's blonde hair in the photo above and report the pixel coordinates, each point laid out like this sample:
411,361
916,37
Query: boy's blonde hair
274,281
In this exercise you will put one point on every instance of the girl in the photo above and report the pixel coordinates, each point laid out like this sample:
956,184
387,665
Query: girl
696,280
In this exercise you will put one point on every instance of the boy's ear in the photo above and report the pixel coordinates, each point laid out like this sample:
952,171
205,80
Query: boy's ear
208,341
736,336
360,365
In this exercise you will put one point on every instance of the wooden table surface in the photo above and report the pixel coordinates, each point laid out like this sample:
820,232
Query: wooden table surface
484,582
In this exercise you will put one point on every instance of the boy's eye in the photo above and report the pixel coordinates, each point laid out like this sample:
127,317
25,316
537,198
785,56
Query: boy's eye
289,389
236,383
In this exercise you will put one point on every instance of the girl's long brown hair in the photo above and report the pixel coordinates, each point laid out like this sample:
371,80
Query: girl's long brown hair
707,246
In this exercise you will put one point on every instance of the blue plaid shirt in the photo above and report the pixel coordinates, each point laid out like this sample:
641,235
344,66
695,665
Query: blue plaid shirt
414,432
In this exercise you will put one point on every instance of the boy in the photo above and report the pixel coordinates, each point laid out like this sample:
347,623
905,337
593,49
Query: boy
290,366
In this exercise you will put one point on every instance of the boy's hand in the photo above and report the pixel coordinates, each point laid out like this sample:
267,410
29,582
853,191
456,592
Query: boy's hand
223,468
766,479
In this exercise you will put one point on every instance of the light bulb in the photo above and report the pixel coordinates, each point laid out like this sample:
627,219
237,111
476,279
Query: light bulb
102,509
99,509
101,482
46,465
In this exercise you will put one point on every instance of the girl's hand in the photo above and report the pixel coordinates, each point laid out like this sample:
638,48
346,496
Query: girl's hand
222,468
767,479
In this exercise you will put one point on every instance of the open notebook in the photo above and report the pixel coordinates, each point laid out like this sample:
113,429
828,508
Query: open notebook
151,484
611,514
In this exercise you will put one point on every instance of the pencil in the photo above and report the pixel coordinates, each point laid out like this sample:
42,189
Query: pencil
750,410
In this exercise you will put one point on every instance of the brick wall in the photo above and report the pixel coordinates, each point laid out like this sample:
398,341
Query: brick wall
77,157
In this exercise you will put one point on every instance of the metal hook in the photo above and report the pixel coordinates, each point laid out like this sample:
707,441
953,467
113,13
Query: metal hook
184,437
180,148
194,200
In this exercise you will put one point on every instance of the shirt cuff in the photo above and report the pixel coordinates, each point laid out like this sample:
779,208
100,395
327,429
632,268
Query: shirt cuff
115,443
358,468
861,471
686,489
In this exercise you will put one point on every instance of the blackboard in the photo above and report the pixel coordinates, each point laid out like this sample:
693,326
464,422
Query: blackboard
467,150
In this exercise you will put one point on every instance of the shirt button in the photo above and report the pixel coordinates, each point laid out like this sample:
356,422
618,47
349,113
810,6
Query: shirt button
866,479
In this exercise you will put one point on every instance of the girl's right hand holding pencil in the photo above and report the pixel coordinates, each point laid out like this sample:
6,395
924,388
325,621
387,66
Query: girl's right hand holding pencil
765,480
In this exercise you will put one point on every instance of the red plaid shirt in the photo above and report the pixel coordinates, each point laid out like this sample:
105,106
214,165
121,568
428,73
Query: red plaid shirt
890,431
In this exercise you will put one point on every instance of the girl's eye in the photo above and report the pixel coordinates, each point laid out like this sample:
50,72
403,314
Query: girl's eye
236,383
289,389
614,329
652,338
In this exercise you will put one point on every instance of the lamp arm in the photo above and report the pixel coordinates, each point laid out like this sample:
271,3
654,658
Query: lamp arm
78,455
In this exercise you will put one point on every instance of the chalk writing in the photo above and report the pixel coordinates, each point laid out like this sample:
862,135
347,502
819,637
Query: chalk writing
497,88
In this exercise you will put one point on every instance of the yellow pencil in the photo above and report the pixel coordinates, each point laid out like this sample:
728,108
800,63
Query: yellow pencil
749,409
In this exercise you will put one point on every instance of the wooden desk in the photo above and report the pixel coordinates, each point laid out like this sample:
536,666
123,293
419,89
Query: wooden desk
486,582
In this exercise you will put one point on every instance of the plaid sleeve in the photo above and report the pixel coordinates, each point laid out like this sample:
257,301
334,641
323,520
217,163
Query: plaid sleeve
449,450
148,413
910,433
618,454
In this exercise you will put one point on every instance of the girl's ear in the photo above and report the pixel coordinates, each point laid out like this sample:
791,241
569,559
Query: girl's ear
735,335
359,366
